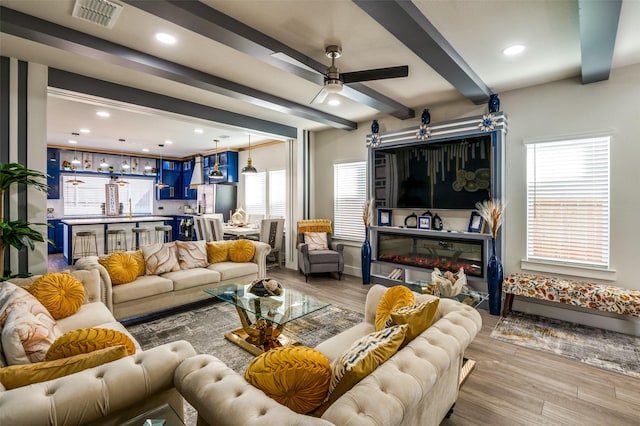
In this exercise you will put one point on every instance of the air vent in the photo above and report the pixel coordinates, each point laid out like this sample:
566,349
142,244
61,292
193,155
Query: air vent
100,12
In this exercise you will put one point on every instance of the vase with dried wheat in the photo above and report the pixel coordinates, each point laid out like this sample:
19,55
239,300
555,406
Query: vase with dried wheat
365,253
491,211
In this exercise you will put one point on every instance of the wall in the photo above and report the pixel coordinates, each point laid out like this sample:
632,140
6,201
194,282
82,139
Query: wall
557,109
264,158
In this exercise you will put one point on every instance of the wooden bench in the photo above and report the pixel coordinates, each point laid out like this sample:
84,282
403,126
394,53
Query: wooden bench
577,293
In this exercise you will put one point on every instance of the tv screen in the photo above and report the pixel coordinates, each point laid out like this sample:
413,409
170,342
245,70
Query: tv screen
455,174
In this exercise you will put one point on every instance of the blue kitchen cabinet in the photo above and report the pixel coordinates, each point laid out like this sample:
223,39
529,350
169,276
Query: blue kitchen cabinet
172,178
53,170
228,165
55,234
187,173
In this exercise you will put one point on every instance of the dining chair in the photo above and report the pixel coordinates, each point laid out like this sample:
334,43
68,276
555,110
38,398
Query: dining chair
254,218
215,229
272,233
202,233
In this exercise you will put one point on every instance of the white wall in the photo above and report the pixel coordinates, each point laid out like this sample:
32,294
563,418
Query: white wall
557,109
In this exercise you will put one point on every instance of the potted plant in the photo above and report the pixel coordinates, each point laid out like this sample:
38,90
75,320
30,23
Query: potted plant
18,233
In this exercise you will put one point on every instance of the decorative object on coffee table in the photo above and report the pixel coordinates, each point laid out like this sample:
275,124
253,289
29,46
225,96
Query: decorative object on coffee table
265,287
491,211
449,284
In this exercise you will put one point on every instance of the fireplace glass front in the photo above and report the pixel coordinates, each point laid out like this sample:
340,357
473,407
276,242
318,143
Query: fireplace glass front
429,252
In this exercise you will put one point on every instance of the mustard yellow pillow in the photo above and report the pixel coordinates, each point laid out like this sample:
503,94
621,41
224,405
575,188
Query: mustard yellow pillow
394,298
16,376
121,266
217,252
60,293
295,376
85,340
418,318
139,258
241,251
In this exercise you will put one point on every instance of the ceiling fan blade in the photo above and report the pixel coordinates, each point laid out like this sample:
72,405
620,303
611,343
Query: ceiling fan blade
320,97
375,74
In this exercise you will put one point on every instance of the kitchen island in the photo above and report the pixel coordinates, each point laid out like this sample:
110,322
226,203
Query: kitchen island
101,224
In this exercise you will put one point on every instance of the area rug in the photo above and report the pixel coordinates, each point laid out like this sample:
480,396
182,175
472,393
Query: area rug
594,346
204,327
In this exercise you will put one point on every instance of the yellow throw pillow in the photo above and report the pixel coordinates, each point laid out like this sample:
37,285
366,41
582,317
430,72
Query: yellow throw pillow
364,356
16,376
394,298
85,340
295,376
60,293
241,251
218,252
139,258
121,266
417,317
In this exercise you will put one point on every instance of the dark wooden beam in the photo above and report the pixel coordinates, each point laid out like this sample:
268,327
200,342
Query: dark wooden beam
598,30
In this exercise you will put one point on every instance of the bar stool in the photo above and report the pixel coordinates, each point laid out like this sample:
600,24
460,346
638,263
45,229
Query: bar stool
116,239
140,236
163,233
84,245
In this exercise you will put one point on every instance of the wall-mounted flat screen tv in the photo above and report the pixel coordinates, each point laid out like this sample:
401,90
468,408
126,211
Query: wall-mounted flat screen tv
453,174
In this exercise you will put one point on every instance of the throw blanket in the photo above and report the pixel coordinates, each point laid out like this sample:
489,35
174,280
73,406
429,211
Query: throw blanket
313,225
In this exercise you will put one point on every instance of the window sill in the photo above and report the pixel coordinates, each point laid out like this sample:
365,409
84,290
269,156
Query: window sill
575,271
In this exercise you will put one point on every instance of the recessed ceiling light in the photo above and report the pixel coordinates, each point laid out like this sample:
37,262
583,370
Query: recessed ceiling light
85,131
103,114
513,50
145,149
165,38
168,142
72,141
198,131
334,102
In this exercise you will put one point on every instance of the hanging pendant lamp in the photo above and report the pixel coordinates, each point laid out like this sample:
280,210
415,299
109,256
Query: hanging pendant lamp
123,165
249,169
75,162
216,173
161,184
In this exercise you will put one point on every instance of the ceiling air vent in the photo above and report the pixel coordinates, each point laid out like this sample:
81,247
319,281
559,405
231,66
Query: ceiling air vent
100,12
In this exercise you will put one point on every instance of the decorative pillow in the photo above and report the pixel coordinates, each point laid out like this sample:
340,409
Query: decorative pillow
316,240
121,266
139,258
217,252
60,293
241,251
418,318
28,329
295,376
364,356
394,298
160,258
192,254
22,375
85,340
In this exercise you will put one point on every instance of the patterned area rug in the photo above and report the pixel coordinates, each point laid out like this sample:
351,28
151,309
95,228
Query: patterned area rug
594,346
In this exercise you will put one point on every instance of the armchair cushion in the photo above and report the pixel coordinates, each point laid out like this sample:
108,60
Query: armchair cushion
316,240
323,256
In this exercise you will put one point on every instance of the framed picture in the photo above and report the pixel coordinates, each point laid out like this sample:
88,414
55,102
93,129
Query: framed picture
424,222
476,223
384,217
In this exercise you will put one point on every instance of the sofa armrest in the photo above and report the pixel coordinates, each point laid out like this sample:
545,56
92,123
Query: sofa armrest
92,394
339,247
260,257
222,397
106,287
90,281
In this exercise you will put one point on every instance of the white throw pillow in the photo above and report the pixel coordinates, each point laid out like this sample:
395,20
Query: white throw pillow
316,240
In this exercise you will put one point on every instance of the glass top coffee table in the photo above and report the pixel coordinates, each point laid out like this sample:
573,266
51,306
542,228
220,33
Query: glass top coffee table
271,313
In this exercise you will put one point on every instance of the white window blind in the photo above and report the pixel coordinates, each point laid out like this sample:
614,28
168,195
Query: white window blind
89,197
255,197
350,193
277,193
568,201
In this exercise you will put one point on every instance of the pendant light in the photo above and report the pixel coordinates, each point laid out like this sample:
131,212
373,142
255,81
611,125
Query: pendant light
216,173
160,183
249,169
75,162
123,165
103,163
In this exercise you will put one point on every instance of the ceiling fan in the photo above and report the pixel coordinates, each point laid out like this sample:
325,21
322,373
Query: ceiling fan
333,79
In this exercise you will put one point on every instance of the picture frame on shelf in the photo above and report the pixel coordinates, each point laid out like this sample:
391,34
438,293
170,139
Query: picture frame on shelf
424,222
385,217
476,223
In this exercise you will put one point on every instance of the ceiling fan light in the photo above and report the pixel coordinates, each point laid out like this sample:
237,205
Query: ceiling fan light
333,86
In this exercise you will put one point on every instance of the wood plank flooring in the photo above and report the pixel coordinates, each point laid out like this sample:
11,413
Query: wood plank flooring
510,385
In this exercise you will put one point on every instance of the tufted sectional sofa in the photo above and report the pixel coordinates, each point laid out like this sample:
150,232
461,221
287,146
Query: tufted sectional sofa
105,395
416,386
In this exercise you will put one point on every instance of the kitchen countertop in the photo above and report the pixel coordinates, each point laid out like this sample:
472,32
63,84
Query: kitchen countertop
115,219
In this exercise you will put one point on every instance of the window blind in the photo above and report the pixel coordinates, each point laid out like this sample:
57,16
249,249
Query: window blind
255,199
568,201
277,193
350,193
88,198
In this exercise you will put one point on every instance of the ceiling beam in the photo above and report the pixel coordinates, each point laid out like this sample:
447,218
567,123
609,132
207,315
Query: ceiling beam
45,32
407,23
215,25
598,30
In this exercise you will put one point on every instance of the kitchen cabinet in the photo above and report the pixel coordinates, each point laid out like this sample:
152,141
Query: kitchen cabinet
228,165
53,170
172,178
187,173
56,234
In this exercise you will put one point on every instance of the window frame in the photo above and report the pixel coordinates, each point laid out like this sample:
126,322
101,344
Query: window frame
353,228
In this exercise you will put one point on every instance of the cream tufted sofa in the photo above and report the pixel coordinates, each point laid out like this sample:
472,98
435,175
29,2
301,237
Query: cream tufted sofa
105,395
417,386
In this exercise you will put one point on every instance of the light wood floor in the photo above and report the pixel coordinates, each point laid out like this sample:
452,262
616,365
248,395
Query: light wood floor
510,385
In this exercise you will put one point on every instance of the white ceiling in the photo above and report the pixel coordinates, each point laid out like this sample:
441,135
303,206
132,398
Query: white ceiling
477,29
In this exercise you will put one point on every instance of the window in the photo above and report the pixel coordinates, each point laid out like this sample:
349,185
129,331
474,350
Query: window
568,201
350,194
277,193
255,197
88,198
